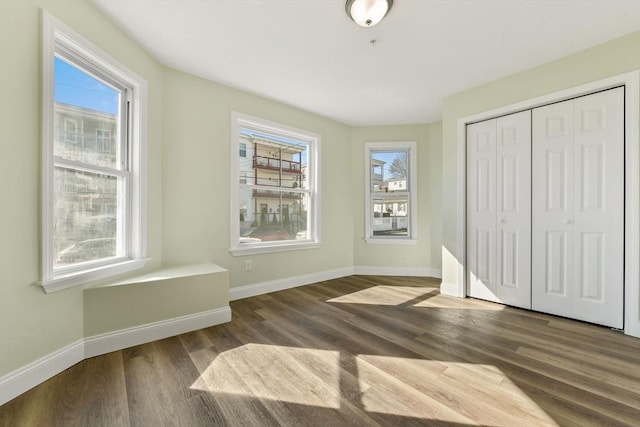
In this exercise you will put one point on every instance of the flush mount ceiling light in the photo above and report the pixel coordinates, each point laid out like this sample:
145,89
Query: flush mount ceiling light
368,13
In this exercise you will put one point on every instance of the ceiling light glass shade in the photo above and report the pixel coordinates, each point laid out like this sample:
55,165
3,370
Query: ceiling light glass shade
368,13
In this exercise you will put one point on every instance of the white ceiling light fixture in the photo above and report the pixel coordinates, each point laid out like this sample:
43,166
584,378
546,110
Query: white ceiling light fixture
368,13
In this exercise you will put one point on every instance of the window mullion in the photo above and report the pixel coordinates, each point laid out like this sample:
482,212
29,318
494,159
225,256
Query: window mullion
86,167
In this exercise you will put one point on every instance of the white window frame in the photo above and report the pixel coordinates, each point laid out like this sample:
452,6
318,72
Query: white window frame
411,194
240,120
56,35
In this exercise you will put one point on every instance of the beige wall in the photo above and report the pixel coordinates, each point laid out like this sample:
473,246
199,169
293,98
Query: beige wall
425,254
196,181
33,324
605,60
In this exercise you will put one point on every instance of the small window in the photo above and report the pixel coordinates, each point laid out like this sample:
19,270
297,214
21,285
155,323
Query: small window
104,144
274,187
92,156
391,193
72,134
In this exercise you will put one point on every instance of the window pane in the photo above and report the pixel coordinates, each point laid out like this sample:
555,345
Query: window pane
85,117
390,216
389,171
85,217
272,161
271,215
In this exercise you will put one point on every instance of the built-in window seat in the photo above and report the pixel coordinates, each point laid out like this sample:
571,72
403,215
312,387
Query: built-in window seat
153,306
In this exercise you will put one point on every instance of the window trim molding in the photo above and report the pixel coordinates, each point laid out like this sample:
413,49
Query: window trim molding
412,148
240,119
54,31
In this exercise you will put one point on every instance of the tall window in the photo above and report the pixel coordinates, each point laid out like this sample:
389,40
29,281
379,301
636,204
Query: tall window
103,140
92,157
391,193
274,187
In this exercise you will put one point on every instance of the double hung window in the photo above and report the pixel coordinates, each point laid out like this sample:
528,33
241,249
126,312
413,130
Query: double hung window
391,193
274,187
92,160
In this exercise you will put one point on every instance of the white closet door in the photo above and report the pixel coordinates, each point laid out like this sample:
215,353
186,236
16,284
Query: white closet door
578,208
514,209
499,209
599,208
552,209
481,210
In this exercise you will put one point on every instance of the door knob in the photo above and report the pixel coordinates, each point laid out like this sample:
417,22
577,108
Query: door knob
568,221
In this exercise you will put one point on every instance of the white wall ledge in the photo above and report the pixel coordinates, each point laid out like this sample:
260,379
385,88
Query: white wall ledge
168,274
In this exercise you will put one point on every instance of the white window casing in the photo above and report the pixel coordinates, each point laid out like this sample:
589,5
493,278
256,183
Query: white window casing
302,188
58,40
403,189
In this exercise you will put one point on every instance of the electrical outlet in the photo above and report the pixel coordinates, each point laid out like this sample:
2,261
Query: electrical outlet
248,265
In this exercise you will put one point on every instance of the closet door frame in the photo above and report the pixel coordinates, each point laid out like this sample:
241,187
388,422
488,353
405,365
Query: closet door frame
631,82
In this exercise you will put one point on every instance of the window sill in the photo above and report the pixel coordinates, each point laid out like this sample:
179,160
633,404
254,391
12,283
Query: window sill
264,248
84,277
390,241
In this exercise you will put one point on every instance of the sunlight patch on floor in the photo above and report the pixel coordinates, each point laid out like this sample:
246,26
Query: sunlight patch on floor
454,303
445,391
286,374
385,295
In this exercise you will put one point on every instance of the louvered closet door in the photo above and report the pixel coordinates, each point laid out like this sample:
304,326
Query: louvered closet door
499,209
578,208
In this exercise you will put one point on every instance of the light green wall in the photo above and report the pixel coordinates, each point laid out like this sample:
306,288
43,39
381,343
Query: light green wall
188,172
426,253
196,181
605,60
188,183
157,296
33,324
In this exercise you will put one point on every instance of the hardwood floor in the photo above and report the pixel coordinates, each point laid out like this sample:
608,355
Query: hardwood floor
357,351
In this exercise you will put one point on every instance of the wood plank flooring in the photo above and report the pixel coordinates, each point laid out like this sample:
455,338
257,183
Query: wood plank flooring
356,351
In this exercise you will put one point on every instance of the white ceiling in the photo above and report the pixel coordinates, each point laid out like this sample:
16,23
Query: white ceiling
309,54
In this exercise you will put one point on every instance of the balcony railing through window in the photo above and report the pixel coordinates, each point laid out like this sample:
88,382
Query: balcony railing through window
277,194
261,162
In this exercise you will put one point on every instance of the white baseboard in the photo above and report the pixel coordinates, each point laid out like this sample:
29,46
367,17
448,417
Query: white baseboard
255,289
124,338
25,378
398,271
21,380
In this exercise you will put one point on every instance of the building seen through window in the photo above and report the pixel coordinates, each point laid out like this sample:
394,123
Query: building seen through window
273,192
87,177
389,193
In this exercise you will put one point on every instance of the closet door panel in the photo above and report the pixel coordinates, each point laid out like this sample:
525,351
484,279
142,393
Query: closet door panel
481,210
599,207
513,152
552,210
578,208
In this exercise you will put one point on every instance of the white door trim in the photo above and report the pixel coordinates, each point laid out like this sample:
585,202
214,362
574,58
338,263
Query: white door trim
631,81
